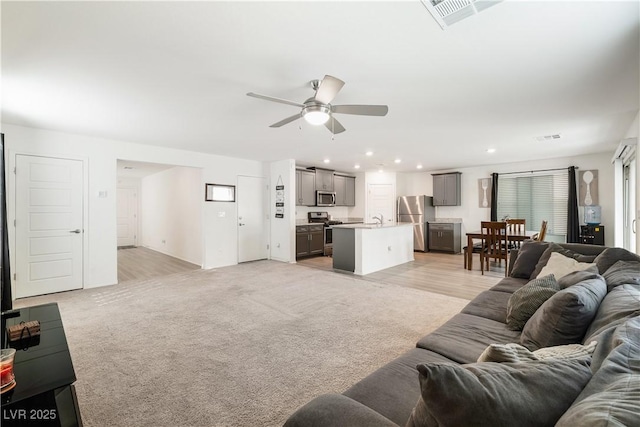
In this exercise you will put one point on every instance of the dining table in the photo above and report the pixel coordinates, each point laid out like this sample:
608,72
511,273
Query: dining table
516,236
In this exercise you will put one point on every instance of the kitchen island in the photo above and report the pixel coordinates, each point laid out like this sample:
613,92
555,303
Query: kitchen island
366,248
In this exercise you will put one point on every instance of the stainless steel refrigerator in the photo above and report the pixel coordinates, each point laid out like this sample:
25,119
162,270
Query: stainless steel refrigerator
419,210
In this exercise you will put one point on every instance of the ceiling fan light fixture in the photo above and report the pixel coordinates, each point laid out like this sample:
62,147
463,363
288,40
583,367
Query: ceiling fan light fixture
316,114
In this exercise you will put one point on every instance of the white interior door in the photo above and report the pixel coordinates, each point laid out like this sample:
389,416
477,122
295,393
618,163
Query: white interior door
252,218
381,199
127,216
49,225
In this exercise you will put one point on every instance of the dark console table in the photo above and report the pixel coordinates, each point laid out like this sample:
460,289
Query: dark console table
44,394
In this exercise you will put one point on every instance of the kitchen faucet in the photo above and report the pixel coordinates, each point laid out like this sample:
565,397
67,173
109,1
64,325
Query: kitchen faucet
381,218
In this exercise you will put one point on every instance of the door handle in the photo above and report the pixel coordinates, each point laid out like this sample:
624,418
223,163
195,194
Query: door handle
633,225
76,231
241,224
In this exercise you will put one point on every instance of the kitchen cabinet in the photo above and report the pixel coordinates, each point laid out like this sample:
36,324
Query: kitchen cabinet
592,234
324,180
305,188
309,240
345,188
444,237
446,189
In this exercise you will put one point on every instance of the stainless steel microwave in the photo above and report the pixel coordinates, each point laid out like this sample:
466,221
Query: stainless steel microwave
325,198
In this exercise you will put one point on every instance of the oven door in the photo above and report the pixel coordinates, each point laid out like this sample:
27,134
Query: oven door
328,241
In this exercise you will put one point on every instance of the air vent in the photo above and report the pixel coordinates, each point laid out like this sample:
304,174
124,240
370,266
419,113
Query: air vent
448,12
547,137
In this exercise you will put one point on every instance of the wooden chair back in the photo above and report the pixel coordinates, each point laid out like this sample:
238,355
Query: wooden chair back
543,231
516,225
494,243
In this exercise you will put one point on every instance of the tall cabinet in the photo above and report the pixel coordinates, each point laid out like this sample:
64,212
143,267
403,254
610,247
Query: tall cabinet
305,188
446,189
345,188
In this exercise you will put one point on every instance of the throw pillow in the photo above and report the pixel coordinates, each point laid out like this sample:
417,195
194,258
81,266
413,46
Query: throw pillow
554,247
610,256
578,276
513,352
622,273
495,394
528,256
565,317
560,265
526,300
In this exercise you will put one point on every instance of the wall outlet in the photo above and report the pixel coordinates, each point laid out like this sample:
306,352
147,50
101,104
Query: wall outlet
164,242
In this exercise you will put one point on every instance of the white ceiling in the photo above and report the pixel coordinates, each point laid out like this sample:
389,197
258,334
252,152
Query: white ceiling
175,74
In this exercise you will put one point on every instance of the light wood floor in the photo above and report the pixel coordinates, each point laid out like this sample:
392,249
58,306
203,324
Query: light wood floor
136,263
440,273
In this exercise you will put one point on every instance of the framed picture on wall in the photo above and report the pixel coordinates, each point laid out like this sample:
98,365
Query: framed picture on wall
219,193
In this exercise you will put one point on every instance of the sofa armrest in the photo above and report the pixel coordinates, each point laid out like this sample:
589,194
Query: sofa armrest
513,255
336,410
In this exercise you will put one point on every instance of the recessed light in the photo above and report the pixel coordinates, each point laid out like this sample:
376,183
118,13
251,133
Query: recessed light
357,166
369,153
491,150
419,166
397,161
327,161
380,170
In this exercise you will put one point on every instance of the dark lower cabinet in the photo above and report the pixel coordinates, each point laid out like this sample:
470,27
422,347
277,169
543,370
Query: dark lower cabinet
444,237
309,240
592,234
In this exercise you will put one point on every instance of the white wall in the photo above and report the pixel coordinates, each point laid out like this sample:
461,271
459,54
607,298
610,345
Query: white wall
219,234
283,230
472,214
171,213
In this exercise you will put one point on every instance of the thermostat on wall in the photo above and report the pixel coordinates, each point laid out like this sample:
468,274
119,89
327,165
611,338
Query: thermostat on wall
592,215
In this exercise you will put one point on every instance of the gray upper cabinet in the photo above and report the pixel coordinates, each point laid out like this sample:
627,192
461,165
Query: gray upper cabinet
345,188
305,188
324,180
446,189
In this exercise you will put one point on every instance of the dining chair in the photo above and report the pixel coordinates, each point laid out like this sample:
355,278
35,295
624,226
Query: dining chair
539,237
475,249
515,226
494,244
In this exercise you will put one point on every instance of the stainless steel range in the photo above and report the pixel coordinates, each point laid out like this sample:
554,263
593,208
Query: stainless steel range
323,217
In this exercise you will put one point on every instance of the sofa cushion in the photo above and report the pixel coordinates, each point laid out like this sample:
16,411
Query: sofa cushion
509,285
622,272
565,317
555,248
621,304
528,256
610,256
490,305
535,393
393,389
526,300
578,276
560,265
612,396
513,352
464,337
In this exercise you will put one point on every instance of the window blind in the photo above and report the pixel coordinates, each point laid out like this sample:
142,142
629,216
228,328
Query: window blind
536,197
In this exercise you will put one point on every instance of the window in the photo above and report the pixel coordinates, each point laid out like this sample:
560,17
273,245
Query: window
536,197
220,193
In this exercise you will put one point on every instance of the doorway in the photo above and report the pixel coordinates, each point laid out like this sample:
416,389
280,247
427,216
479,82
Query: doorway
252,218
381,200
50,225
127,216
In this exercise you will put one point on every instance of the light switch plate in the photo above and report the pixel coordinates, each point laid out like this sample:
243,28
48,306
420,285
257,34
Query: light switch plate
222,214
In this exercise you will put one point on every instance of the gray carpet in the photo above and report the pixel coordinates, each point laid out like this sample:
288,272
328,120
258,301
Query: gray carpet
236,346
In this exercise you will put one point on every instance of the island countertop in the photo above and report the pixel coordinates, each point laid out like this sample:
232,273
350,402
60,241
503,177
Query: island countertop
372,226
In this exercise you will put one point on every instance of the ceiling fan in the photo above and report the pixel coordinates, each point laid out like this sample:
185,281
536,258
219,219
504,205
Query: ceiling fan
318,109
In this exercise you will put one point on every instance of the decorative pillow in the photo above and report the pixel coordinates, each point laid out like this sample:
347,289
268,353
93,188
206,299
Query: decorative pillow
554,247
535,393
565,317
620,304
526,300
513,352
560,265
578,276
622,273
610,256
528,256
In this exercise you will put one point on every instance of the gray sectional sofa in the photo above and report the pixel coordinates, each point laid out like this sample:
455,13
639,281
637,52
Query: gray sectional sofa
439,383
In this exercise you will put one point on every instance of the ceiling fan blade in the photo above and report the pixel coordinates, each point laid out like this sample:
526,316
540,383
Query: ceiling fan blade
271,98
328,89
285,121
334,126
362,110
